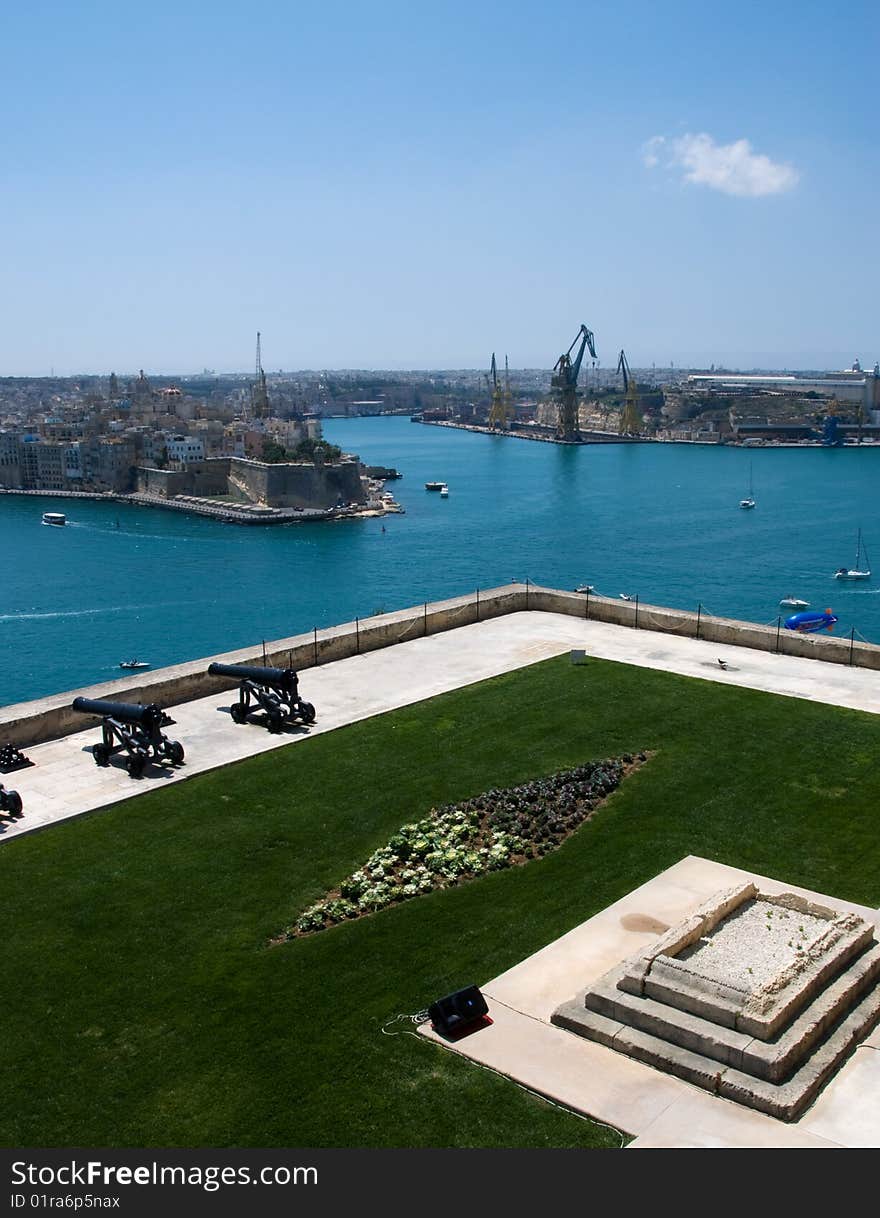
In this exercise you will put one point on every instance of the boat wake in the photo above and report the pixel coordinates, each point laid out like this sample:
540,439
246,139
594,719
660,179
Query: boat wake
27,617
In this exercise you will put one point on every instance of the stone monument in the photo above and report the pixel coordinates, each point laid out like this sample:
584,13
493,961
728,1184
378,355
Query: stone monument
757,998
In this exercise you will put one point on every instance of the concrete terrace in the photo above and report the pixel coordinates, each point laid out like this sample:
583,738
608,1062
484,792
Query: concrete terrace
64,781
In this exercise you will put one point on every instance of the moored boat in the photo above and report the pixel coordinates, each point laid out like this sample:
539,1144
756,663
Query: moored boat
857,571
749,501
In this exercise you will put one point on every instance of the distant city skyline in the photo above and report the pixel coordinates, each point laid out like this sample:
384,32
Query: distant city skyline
385,188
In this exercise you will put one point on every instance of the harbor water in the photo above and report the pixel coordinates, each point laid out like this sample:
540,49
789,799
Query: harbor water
661,521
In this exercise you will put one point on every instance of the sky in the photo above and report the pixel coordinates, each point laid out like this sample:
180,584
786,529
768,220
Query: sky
395,185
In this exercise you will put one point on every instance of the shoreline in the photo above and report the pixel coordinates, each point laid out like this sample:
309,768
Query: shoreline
610,437
247,514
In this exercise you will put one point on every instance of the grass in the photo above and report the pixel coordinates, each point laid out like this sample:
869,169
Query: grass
142,1006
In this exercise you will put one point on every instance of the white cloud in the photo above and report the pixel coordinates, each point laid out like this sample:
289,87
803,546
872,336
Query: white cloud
651,150
734,169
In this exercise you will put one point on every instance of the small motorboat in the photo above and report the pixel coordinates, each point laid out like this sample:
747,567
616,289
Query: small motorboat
56,518
585,588
434,486
793,602
135,663
444,491
626,597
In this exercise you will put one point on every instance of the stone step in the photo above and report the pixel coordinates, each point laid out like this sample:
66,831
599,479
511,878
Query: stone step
669,981
785,1101
772,1060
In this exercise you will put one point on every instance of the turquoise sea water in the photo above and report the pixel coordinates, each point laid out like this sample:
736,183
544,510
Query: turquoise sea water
659,520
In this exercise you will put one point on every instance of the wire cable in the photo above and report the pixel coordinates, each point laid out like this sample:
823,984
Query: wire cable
422,1016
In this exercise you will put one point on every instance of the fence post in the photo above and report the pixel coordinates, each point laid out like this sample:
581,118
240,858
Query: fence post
852,643
587,607
527,592
426,618
357,634
315,644
778,628
699,612
637,611
478,604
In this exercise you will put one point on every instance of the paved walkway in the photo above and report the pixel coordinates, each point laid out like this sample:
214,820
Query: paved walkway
659,1109
65,782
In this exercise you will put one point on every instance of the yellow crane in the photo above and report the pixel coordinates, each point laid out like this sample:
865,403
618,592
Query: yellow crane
631,421
499,411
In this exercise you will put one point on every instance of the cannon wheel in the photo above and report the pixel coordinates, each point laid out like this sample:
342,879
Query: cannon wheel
136,764
274,720
11,802
307,711
238,712
101,754
175,752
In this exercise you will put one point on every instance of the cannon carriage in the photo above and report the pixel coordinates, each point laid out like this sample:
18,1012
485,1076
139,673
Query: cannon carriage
273,690
10,802
133,729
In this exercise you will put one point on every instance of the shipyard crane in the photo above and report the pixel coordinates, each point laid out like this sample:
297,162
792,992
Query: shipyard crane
631,421
259,392
500,408
564,381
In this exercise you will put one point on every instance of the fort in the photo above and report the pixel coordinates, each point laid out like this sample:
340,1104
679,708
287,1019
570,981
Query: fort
644,1016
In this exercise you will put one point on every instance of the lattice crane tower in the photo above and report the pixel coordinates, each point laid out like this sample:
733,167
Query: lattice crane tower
259,392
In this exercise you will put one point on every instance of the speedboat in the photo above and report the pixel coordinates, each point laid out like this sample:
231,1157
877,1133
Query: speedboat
54,518
434,486
585,588
134,663
793,602
444,491
624,596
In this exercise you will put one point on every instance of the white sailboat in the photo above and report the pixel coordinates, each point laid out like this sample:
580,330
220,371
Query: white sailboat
749,501
857,571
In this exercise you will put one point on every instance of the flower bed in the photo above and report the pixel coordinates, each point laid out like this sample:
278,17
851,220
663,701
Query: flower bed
459,842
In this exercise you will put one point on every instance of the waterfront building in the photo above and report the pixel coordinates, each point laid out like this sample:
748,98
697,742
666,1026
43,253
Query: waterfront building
184,449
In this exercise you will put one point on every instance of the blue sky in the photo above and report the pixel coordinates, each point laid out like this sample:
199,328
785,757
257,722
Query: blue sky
396,185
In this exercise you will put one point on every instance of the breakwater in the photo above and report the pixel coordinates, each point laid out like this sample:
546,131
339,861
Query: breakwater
226,513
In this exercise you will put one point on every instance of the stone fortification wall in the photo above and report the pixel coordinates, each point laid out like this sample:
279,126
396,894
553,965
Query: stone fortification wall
283,486
200,478
298,485
29,723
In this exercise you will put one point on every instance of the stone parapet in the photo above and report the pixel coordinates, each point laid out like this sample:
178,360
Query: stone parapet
49,718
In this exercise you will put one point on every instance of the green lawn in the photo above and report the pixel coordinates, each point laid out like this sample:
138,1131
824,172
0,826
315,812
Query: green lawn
141,1005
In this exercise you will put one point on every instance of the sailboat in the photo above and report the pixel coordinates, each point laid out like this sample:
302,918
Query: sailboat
749,501
857,571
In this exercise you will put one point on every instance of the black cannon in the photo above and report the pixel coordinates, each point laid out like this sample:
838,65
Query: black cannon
10,802
133,728
274,690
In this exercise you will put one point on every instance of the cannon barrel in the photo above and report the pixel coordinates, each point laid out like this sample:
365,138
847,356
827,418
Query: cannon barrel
252,672
128,712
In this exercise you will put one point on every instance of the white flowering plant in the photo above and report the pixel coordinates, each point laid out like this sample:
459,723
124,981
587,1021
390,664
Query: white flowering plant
458,842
